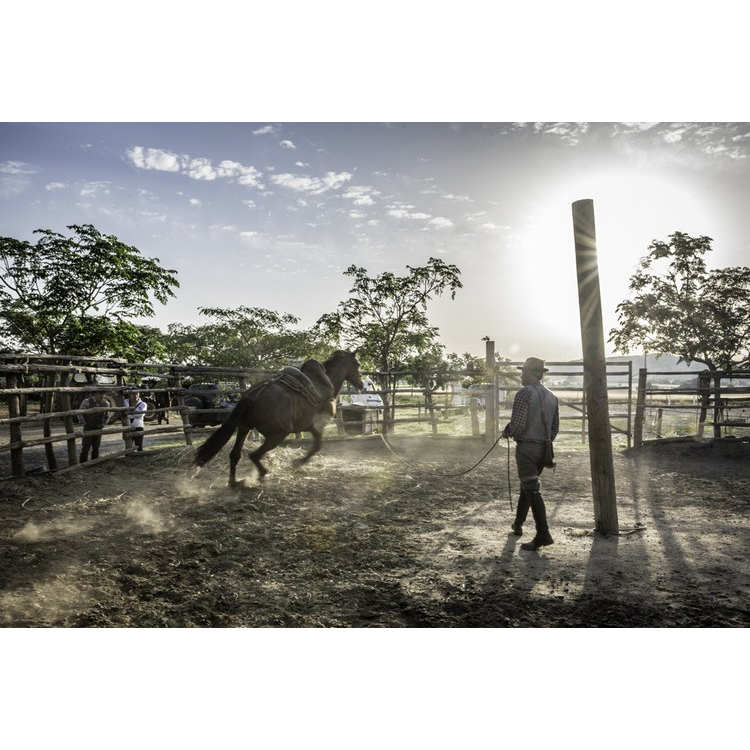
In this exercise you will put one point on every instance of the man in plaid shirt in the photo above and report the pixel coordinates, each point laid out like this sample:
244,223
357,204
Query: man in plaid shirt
535,420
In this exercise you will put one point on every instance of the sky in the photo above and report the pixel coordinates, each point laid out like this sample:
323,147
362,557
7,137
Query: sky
270,214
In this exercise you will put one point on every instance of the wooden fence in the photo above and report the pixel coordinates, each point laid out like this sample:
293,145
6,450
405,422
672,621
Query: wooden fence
40,398
718,400
42,395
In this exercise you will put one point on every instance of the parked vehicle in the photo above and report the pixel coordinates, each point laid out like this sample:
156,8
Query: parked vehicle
368,396
205,396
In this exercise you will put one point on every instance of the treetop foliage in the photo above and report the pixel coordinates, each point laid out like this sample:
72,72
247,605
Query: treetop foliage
385,316
77,294
679,306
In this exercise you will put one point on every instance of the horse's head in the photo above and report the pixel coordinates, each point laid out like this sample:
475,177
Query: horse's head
349,365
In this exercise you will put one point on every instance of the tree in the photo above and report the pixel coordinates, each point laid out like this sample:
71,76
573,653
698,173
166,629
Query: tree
680,307
77,295
385,318
250,337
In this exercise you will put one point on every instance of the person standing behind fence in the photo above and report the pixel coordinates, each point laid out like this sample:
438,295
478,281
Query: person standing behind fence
92,421
136,418
535,419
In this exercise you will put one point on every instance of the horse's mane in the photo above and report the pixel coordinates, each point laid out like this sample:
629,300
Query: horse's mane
337,355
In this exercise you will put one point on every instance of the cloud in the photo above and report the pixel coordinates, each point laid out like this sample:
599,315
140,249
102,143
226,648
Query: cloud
265,130
55,186
312,185
568,132
152,215
199,169
287,144
92,189
195,202
716,140
440,222
17,168
361,195
196,168
634,127
154,158
14,178
673,136
233,170
404,211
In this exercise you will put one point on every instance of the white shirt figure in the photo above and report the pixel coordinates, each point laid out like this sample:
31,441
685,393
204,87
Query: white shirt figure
136,420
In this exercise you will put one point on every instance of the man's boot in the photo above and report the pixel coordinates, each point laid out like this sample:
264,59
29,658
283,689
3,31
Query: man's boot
543,537
522,510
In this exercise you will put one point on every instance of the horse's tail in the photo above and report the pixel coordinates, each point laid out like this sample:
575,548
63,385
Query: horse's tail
222,435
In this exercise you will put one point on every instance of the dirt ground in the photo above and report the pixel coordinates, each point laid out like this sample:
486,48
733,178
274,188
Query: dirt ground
367,537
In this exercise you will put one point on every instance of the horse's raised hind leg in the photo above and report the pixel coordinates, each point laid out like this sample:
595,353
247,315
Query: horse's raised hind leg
269,444
314,448
234,456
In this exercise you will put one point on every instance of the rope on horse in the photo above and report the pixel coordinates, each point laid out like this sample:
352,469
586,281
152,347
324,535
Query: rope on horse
435,473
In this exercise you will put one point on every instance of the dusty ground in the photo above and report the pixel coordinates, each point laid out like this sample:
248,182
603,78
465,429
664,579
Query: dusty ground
360,539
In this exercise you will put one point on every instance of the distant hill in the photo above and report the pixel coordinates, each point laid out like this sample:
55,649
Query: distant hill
659,363
655,363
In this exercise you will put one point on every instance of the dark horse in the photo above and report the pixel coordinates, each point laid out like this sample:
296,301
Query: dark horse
293,401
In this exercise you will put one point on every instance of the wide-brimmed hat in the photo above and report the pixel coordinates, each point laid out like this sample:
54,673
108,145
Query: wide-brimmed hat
534,365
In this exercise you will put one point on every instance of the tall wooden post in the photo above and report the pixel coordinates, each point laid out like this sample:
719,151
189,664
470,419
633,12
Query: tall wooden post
640,408
594,368
490,402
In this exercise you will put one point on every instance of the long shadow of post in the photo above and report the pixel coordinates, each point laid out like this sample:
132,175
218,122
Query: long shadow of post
639,573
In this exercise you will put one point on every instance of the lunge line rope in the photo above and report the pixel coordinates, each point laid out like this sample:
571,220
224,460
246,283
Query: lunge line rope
434,473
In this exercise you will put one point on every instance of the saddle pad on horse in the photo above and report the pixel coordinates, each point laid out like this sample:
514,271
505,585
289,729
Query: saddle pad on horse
318,393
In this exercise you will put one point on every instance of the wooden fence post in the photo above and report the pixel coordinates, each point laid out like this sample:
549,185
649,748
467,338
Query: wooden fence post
124,419
48,404
630,403
717,405
16,433
490,402
584,431
474,414
703,391
640,409
595,368
176,382
429,408
68,421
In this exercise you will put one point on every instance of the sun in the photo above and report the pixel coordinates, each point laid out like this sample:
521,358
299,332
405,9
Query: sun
631,209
